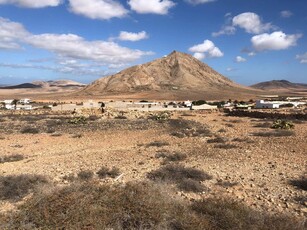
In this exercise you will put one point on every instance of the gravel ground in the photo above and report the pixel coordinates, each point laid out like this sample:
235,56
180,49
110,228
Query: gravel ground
252,169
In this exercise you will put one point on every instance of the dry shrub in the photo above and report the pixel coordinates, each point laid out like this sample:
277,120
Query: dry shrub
227,214
11,158
106,172
16,187
157,144
76,135
225,146
56,134
136,206
178,174
189,185
245,139
275,133
174,157
217,140
85,175
222,131
31,130
186,128
300,183
90,206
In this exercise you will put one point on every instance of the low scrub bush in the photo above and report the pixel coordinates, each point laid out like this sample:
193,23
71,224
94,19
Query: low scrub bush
85,175
228,214
106,172
159,116
282,124
56,134
245,139
76,135
16,187
78,120
136,206
189,185
225,146
120,117
11,158
300,183
276,133
157,144
217,140
171,157
178,174
31,130
90,206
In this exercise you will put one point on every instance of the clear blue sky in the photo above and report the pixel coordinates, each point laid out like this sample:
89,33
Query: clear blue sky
246,40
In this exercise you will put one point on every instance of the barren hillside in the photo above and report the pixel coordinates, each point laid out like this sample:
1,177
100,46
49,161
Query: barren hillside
176,76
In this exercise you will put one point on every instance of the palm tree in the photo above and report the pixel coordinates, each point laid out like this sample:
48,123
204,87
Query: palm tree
14,102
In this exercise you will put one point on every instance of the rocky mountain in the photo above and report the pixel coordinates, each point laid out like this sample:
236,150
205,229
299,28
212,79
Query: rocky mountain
176,76
279,85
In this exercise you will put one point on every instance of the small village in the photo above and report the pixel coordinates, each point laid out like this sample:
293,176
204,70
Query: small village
267,102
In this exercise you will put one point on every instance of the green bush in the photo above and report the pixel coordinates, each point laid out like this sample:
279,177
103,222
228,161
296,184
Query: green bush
282,124
78,120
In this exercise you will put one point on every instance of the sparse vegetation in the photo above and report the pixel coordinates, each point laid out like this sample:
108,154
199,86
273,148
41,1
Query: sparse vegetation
178,174
244,139
190,185
85,175
300,183
228,214
16,187
76,135
56,134
11,158
106,172
276,133
174,157
159,116
217,140
226,184
282,124
225,146
31,130
136,206
78,120
157,144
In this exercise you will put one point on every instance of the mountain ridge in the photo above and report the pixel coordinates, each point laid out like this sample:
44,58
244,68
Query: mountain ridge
278,85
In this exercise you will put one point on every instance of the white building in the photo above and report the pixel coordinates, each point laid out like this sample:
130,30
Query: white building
25,101
261,104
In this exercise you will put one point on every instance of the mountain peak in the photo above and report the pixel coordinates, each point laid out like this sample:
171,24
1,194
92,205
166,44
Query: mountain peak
174,74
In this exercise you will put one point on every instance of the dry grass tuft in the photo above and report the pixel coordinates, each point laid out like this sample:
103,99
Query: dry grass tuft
134,205
16,187
11,158
181,176
106,172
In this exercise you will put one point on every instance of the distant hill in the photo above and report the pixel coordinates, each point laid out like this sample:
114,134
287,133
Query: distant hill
177,76
277,85
22,86
47,85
